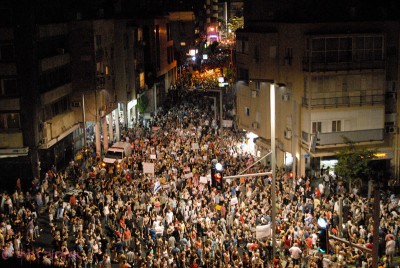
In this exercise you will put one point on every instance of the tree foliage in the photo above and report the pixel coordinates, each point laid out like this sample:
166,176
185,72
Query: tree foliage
354,162
142,103
235,23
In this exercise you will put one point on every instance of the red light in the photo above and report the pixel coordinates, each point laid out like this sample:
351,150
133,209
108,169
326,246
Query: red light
291,174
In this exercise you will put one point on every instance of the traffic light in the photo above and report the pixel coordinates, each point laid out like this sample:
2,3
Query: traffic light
216,175
323,240
218,178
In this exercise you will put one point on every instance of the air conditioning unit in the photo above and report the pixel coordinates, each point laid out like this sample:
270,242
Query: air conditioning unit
288,134
254,124
76,104
285,97
391,129
254,93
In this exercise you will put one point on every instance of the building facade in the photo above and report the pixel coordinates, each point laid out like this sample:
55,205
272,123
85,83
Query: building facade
73,76
335,82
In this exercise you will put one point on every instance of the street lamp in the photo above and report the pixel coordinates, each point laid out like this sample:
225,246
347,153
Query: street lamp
273,164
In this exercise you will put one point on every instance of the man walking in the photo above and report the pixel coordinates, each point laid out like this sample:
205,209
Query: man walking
295,254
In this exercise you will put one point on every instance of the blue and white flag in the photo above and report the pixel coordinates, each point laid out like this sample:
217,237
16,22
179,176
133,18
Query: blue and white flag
157,186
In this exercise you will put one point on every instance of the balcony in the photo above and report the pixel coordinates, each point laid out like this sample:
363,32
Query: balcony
54,62
338,138
344,101
309,66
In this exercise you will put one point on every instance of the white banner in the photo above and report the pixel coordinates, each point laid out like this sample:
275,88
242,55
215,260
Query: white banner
148,168
263,231
195,146
189,175
227,123
203,180
153,156
234,201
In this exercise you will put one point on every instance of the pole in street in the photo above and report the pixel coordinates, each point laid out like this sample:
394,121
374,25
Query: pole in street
273,164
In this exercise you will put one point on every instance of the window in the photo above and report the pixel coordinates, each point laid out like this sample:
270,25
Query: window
6,17
369,48
243,74
316,127
8,87
247,111
242,46
158,47
7,52
170,54
336,126
256,54
289,56
10,121
332,49
98,40
56,108
169,32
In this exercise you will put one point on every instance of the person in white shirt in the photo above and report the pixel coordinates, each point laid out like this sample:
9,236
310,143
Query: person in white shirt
169,216
295,254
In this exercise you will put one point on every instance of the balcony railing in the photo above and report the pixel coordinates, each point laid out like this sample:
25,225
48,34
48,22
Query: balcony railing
337,138
309,66
333,102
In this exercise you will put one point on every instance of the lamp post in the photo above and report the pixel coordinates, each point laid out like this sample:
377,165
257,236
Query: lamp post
220,104
84,121
273,164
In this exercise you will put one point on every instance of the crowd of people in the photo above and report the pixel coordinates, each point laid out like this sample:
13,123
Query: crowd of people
158,208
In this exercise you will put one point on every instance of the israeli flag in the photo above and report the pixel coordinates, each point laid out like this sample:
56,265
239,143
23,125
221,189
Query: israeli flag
157,186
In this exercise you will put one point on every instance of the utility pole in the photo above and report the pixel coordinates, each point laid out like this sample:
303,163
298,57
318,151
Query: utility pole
84,121
220,104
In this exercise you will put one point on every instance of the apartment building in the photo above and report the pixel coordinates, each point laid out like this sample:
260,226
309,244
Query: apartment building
67,73
37,122
335,81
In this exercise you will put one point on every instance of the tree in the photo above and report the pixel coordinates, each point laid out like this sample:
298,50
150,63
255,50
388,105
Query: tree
354,162
235,23
142,103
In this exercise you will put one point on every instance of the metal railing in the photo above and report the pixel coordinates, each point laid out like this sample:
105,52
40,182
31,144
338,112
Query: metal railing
333,102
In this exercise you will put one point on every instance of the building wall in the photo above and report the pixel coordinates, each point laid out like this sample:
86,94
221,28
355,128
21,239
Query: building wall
278,52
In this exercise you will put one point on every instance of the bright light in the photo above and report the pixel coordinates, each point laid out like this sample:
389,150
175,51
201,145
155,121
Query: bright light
192,52
218,166
194,58
288,158
322,223
205,56
221,79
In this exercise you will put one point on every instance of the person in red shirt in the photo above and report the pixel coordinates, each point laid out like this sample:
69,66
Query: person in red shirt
127,237
72,200
308,243
317,193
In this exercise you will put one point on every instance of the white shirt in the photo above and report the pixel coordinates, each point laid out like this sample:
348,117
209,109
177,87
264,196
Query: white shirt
169,216
295,252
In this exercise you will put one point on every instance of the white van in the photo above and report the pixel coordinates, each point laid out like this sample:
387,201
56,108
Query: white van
119,150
